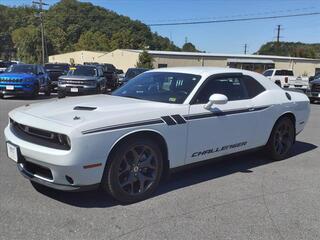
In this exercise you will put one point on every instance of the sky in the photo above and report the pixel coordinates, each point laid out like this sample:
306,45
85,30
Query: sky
219,37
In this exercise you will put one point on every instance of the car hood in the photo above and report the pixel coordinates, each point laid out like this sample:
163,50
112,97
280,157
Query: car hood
317,81
78,78
88,112
17,75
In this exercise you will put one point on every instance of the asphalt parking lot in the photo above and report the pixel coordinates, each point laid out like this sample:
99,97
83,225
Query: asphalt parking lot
246,197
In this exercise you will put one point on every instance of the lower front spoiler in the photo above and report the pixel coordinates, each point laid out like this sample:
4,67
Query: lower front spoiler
61,187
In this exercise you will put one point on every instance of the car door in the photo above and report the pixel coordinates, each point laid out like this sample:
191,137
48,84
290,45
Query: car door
41,76
224,129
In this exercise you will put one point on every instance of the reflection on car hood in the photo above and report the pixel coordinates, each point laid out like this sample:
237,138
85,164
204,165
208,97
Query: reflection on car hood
17,75
78,77
95,111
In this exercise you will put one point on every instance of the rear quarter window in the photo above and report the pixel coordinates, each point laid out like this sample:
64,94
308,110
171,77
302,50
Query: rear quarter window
254,88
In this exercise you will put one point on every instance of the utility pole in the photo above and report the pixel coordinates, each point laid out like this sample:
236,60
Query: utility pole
278,33
245,48
40,3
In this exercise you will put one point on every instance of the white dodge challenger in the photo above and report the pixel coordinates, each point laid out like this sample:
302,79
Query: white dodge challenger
161,119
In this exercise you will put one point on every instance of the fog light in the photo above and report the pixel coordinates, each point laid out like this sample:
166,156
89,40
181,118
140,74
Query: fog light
69,179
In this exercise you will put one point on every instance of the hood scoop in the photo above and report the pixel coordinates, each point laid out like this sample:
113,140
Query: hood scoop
83,108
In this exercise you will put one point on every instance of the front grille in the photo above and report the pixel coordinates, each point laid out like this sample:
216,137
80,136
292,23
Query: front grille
36,169
315,88
39,136
11,80
80,82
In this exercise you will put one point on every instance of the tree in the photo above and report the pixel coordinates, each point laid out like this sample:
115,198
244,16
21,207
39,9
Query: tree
145,60
293,49
27,41
72,24
189,47
94,41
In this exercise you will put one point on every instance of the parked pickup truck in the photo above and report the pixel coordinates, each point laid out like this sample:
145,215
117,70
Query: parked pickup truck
285,78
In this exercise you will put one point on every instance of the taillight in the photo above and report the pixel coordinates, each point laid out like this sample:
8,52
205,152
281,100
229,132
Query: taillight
286,79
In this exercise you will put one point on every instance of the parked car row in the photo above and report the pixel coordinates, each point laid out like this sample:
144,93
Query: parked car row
30,79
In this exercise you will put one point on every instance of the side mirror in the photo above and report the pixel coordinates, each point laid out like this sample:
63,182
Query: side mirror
217,99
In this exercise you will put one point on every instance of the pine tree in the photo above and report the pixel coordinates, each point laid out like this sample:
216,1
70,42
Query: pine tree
145,60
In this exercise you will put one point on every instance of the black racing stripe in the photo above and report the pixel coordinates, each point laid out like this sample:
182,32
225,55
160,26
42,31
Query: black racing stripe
120,126
178,118
215,114
168,120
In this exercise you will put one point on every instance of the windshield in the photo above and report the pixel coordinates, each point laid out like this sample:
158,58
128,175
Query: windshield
284,73
167,87
131,73
82,71
57,67
20,68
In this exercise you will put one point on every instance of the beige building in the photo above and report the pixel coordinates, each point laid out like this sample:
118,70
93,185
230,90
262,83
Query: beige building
126,58
77,57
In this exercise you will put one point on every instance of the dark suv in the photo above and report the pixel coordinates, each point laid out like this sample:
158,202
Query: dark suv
55,70
133,72
82,79
110,73
314,90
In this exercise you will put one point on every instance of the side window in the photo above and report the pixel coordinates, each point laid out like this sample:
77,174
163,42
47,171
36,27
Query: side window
254,88
232,87
268,73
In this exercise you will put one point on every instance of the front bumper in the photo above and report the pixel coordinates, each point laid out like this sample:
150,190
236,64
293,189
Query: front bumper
69,89
313,95
16,89
62,187
54,167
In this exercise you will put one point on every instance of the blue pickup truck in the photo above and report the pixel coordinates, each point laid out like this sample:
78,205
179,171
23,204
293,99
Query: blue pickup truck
24,79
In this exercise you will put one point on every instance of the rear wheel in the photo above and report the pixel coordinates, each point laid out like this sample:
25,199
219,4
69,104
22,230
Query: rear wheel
281,139
61,94
134,171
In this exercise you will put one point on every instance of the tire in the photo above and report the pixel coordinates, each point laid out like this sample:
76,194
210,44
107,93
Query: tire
281,139
35,92
61,94
134,170
48,91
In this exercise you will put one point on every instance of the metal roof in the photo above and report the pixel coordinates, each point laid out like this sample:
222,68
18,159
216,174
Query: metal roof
220,55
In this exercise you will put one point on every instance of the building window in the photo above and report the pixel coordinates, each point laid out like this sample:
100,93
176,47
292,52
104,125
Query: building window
162,65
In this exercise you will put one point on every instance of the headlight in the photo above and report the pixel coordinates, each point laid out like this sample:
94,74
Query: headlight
64,139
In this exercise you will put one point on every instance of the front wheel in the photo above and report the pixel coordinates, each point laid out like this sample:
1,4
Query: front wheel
281,139
35,92
61,94
134,171
47,91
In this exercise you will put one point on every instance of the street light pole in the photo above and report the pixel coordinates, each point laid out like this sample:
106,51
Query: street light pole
41,4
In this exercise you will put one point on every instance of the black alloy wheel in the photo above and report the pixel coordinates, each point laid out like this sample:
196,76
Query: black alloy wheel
281,139
135,170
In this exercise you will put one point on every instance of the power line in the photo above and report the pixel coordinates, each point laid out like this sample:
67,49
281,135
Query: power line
291,11
234,19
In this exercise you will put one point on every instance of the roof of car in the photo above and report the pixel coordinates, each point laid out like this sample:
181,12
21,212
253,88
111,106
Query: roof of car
199,70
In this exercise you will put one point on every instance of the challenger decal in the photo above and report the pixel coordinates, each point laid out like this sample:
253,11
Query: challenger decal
218,149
